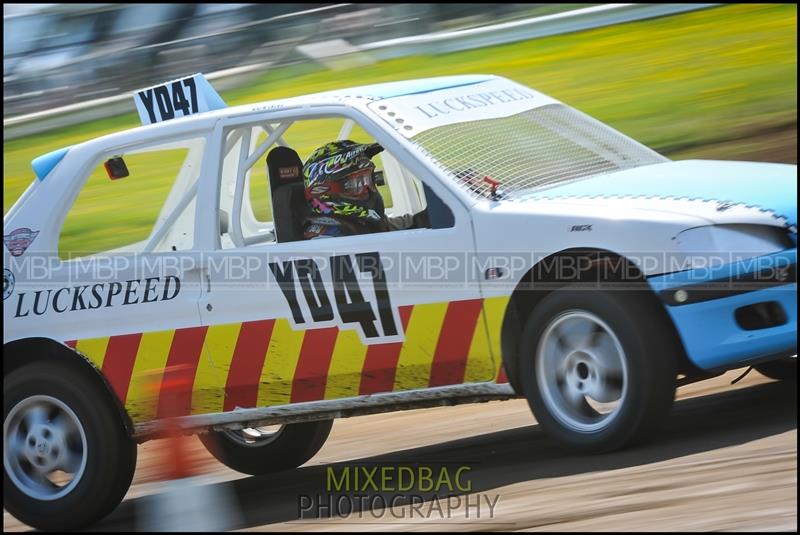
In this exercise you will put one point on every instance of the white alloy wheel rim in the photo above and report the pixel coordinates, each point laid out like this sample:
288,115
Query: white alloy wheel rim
255,436
581,371
45,448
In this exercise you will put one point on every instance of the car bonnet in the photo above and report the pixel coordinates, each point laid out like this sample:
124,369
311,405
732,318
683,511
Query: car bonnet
716,190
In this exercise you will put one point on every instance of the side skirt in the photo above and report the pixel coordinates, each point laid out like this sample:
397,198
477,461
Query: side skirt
328,409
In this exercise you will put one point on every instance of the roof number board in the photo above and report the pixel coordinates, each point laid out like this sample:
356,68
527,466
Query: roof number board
176,99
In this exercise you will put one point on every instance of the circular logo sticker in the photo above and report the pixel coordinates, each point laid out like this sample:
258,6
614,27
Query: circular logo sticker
8,283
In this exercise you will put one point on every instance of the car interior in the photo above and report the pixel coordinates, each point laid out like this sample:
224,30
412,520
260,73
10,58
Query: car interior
285,184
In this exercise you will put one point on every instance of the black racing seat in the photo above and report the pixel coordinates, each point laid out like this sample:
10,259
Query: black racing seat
289,208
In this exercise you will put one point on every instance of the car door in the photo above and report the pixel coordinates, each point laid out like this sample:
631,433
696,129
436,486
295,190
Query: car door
131,310
135,316
347,316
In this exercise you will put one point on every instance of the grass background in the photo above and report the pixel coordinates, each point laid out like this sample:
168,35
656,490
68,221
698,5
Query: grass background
716,83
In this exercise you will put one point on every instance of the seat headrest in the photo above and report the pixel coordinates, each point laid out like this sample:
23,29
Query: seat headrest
284,166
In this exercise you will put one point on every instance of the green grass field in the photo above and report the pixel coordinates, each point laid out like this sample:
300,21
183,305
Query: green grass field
716,83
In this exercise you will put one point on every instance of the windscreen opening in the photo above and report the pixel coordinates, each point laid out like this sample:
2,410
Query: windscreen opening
538,148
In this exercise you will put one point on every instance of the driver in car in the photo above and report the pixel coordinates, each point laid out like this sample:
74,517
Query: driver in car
342,195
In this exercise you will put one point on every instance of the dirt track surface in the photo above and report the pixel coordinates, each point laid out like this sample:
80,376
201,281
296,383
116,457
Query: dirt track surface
725,460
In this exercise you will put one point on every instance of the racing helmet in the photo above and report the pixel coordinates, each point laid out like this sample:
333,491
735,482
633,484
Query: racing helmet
339,181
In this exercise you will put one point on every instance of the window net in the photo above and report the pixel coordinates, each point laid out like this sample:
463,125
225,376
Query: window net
534,149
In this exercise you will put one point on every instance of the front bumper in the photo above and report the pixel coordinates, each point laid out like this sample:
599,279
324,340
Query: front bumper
736,313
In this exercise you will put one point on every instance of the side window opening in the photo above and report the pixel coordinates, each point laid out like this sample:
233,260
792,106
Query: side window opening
150,210
248,194
245,211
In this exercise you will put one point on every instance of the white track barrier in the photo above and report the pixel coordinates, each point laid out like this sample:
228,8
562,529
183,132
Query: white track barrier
190,504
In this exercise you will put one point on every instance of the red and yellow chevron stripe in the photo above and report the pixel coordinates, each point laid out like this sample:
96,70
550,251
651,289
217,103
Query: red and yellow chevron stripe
266,362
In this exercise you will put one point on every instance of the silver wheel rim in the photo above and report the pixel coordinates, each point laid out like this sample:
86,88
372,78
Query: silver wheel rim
45,449
255,437
581,371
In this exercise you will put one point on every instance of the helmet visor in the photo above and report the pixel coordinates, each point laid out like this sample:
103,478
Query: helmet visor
356,185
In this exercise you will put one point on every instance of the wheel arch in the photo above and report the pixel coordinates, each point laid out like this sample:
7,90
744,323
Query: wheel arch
589,266
19,353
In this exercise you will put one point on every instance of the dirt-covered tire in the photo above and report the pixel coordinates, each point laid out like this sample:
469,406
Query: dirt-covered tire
258,451
598,368
782,370
67,458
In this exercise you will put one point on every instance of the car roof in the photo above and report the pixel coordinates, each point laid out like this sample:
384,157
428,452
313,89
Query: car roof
340,96
405,87
371,92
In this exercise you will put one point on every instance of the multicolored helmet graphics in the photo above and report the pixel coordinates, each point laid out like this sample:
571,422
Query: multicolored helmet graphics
339,181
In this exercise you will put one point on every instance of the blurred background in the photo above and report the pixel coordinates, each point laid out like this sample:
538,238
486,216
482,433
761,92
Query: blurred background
689,80
57,54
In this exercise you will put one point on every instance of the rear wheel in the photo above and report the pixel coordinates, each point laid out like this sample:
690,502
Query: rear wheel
67,458
598,367
263,450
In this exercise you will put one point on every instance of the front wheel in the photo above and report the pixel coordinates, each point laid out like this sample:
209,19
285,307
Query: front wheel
263,450
67,458
781,370
598,367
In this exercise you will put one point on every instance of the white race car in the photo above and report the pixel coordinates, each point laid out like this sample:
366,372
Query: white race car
549,256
